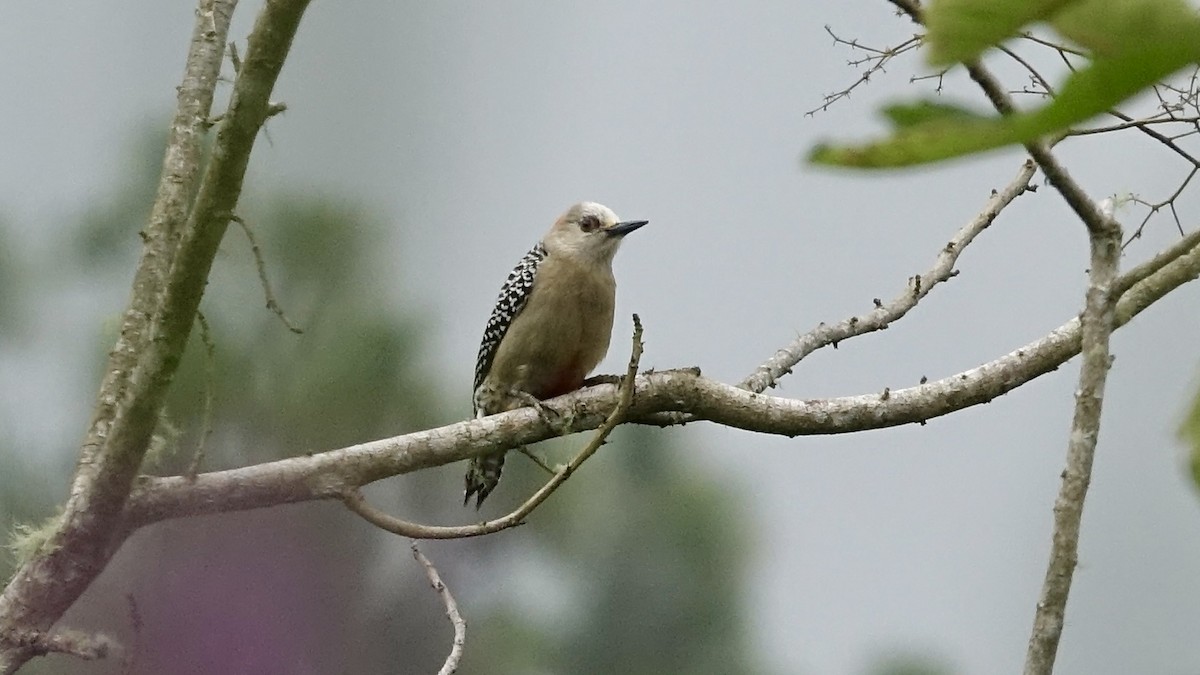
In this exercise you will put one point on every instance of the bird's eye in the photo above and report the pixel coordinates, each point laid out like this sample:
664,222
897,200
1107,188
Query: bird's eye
589,223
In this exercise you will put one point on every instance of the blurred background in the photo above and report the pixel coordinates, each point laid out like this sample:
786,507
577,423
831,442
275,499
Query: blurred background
425,148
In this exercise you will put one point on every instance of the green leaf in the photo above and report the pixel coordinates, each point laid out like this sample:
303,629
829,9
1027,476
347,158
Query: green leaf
930,132
960,30
926,132
1109,81
1111,27
905,115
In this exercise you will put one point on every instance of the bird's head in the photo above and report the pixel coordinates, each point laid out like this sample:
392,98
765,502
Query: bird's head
590,232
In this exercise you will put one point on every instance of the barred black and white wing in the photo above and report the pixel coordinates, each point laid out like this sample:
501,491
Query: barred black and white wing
513,296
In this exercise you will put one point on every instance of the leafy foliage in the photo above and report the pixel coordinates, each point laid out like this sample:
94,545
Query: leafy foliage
652,554
1132,43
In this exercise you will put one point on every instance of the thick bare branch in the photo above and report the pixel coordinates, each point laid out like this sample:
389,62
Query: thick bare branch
176,185
328,475
166,295
879,318
1100,316
1097,324
43,588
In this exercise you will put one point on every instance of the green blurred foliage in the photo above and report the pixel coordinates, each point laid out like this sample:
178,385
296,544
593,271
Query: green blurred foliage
10,282
355,373
656,554
102,240
650,552
1191,434
26,501
26,493
906,663
960,30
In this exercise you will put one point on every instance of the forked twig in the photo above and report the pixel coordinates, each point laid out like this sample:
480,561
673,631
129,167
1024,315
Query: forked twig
875,61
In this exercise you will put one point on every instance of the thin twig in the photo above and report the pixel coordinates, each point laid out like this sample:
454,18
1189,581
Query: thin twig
1061,49
769,373
876,61
1134,124
1142,125
1152,133
456,620
210,386
1154,208
261,264
939,75
273,108
130,658
1042,82
533,457
354,500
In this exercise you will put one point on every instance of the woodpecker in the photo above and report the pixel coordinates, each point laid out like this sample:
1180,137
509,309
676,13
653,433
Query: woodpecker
551,324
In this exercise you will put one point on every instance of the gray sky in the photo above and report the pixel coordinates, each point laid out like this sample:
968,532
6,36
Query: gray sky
471,125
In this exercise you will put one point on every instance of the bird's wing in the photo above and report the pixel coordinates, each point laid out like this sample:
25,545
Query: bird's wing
513,296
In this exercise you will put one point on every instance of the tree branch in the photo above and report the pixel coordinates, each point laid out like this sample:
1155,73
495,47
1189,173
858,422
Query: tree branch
167,289
177,184
329,475
1104,235
1099,318
452,613
1056,174
919,286
1097,325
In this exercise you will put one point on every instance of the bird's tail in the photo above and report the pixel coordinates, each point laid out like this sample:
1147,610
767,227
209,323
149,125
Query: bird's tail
483,473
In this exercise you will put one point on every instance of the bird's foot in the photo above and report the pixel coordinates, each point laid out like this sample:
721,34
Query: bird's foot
602,379
559,422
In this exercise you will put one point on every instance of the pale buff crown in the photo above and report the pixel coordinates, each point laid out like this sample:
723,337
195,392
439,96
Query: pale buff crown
588,232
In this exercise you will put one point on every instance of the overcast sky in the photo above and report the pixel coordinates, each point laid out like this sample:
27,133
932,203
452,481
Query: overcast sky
469,126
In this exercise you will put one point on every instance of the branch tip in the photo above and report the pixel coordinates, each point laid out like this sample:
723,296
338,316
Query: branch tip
452,613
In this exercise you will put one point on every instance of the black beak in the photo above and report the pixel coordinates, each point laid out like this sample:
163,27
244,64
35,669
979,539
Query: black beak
624,228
